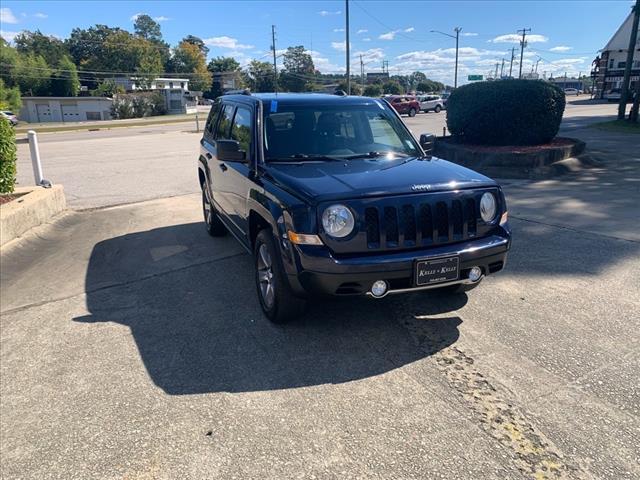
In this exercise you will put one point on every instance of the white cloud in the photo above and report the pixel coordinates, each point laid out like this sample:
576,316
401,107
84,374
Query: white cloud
560,48
226,42
6,16
135,16
568,61
515,38
370,55
338,30
367,39
323,64
161,18
410,29
40,15
325,13
469,34
362,30
388,35
8,36
341,46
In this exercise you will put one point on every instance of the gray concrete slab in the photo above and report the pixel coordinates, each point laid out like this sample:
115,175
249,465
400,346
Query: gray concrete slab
134,347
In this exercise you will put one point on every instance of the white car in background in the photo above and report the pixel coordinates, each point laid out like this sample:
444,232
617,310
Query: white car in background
571,91
430,102
13,119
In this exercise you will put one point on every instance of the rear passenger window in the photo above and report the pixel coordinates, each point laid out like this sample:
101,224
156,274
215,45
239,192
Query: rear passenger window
224,125
241,130
213,116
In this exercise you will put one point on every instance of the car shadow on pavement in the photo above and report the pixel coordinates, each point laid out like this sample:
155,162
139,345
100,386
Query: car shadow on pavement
192,309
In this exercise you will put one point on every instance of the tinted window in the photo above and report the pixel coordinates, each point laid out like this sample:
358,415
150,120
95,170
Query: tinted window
213,115
241,130
334,130
224,124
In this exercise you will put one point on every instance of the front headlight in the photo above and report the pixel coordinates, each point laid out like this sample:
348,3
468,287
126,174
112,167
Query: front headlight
338,221
488,207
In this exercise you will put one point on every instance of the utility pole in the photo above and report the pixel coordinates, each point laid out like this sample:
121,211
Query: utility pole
362,72
523,43
537,62
385,63
273,47
496,74
513,49
624,93
502,69
455,78
346,7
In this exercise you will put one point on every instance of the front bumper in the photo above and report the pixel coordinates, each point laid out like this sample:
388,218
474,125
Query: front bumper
314,270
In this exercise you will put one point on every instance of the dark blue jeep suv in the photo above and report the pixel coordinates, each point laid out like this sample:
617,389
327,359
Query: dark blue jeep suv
333,195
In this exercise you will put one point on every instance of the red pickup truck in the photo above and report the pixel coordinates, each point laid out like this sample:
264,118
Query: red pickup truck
404,104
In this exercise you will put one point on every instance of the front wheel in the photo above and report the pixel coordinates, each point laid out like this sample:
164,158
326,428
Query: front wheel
412,112
277,300
437,109
214,225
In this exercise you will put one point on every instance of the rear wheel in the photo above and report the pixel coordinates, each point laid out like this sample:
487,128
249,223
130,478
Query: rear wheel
437,109
214,225
277,300
412,112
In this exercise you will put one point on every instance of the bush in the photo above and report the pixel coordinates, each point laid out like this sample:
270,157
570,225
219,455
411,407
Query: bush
138,105
506,112
373,90
7,157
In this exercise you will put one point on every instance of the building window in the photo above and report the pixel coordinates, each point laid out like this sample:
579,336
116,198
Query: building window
622,64
182,85
175,104
636,64
93,116
611,63
170,84
160,85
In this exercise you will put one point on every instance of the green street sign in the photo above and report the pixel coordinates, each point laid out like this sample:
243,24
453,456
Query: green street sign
471,78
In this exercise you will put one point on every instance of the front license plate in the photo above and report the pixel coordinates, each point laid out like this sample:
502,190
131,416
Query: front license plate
437,270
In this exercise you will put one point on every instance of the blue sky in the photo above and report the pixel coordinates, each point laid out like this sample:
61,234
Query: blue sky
565,34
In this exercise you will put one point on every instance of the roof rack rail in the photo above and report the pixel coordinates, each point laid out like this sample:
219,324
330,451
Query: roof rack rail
242,91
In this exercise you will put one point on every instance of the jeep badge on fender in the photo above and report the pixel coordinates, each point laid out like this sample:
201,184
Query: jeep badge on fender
332,195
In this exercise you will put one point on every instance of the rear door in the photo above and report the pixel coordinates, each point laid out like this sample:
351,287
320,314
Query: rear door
237,173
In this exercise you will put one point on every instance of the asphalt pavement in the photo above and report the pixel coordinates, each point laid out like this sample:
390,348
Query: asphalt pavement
133,346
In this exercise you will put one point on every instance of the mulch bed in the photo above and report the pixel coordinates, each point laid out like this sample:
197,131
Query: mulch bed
556,142
7,197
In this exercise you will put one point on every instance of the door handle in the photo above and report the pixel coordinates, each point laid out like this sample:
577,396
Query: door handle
223,167
209,156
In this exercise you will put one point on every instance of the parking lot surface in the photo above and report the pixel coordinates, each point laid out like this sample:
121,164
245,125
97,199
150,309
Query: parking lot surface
133,345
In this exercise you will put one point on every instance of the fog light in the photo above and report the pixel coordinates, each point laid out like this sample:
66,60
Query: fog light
379,288
475,273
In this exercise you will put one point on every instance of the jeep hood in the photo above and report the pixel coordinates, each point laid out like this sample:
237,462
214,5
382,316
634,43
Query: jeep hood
322,181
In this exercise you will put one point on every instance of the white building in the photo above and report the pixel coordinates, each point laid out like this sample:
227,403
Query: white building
131,84
608,70
65,109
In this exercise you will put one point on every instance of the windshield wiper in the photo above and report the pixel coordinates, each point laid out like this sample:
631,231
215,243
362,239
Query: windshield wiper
321,158
375,155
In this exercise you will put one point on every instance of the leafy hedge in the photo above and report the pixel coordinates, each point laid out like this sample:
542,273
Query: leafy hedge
506,112
7,157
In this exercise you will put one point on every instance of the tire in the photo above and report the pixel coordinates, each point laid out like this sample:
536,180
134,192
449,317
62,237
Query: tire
278,302
437,109
214,225
412,112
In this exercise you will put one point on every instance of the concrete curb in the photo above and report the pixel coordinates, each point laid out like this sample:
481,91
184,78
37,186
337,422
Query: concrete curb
34,208
533,165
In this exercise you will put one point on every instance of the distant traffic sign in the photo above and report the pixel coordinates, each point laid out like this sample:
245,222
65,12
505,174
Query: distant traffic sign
471,78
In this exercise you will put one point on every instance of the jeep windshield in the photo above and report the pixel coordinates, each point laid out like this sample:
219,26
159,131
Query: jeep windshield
316,132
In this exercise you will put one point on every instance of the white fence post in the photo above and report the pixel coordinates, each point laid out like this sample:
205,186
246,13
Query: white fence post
35,160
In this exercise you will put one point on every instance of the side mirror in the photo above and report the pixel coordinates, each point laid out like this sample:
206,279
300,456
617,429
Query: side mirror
229,151
427,141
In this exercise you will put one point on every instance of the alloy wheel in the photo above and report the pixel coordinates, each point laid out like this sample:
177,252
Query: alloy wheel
265,276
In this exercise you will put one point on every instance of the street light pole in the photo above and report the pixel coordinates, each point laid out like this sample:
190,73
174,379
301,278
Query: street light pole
633,38
457,38
346,6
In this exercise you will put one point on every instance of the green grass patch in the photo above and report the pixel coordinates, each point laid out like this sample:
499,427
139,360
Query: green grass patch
621,126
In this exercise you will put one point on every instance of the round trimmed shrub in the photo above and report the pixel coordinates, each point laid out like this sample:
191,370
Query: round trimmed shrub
506,112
